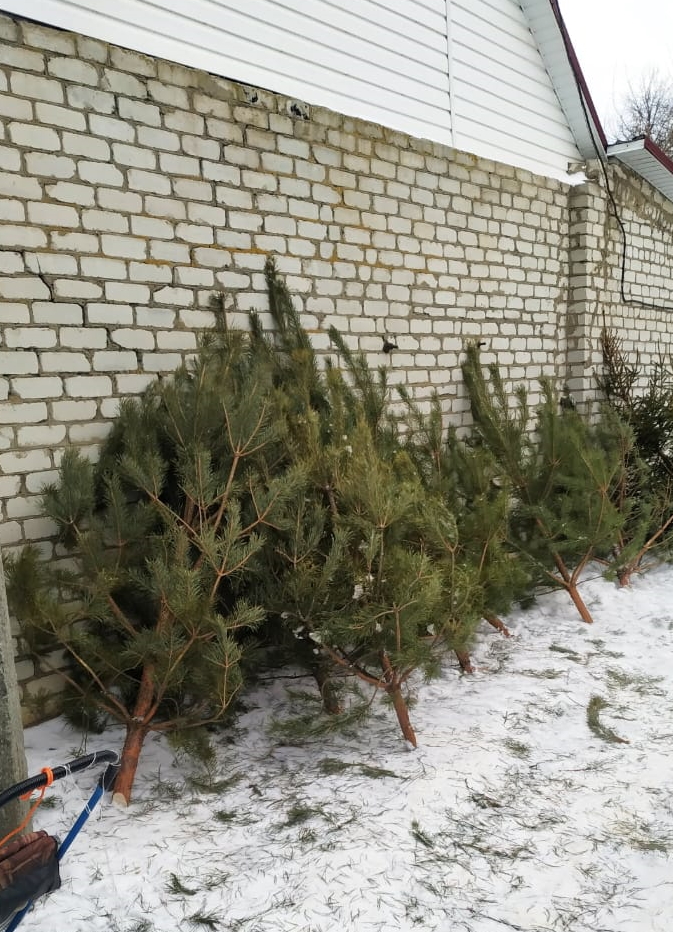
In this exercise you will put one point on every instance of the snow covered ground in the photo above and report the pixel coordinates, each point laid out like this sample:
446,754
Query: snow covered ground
513,813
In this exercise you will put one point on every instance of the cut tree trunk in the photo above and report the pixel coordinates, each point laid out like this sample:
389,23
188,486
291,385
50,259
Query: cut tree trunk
500,626
136,733
573,592
569,584
402,712
464,661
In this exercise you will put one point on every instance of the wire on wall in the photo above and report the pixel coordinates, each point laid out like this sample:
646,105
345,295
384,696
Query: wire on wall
602,158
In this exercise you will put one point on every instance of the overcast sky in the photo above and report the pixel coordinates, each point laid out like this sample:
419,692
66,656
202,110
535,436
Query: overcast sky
617,41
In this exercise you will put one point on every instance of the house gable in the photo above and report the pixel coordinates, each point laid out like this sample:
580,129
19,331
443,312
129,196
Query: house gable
504,102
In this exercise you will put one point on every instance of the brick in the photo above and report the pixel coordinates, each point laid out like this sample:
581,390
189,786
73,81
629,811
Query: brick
150,272
121,83
60,116
132,338
29,337
292,146
295,187
150,182
18,363
179,164
168,94
170,252
193,190
239,221
52,215
232,239
134,156
20,57
95,267
74,242
10,159
11,262
217,171
158,138
89,386
100,173
44,312
109,408
111,199
197,320
201,148
114,361
23,413
105,221
13,211
89,146
14,313
34,137
25,461
86,98
83,337
110,128
51,166
204,213
73,69
133,384
165,207
45,434
23,288
194,233
185,122
71,193
93,432
72,288
133,62
176,340
74,410
174,296
39,88
91,50
15,108
158,362
127,293
147,114
126,247
46,38
64,362
152,228
120,314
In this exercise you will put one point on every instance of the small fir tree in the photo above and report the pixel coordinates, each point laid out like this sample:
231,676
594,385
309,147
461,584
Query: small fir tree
644,419
164,531
468,477
562,475
366,571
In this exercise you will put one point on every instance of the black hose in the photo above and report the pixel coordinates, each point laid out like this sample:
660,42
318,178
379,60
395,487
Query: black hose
63,770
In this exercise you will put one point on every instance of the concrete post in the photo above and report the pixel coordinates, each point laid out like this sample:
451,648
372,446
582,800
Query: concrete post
12,754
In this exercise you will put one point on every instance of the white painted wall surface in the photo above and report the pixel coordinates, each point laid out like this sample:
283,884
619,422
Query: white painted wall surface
465,73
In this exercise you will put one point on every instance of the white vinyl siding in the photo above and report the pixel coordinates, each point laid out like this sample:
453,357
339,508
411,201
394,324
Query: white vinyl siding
466,73
504,103
374,60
